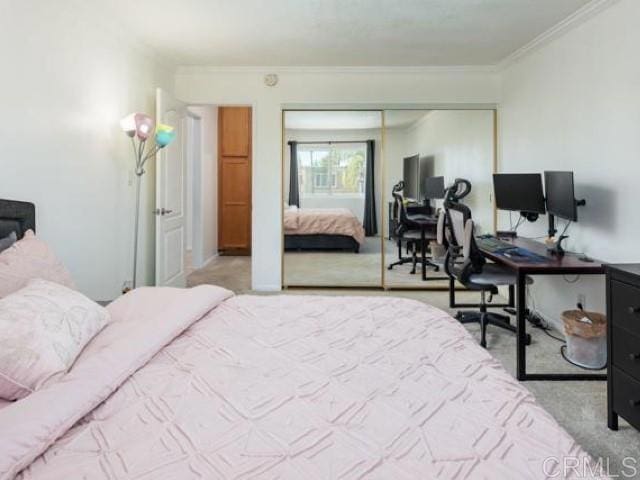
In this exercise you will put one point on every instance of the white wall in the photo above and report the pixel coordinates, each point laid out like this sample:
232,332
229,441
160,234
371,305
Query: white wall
68,77
355,203
205,191
461,144
311,87
575,105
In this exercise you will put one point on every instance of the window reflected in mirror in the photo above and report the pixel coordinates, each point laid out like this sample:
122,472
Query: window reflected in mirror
332,199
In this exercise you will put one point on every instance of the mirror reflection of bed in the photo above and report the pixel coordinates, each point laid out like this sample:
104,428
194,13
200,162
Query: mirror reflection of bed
332,198
426,150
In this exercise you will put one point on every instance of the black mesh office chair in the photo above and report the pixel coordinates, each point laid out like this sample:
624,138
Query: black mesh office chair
408,231
466,264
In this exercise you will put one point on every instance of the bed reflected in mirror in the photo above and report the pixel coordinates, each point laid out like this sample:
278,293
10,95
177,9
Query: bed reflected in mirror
332,196
425,151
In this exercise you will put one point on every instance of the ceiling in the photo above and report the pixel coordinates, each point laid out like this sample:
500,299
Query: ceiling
349,120
337,32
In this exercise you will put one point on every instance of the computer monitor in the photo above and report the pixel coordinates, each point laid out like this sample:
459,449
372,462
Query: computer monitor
561,200
433,188
519,192
410,176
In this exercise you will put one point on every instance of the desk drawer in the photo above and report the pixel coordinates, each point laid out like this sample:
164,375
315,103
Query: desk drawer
625,306
626,397
626,352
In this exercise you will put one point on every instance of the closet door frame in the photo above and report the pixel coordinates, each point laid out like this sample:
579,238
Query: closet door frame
383,108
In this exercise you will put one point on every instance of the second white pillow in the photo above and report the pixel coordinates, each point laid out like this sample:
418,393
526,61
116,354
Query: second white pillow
43,328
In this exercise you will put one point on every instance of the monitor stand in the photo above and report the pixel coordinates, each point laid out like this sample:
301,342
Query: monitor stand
556,249
428,209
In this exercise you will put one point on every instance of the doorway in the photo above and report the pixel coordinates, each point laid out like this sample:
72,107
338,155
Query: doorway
188,191
222,198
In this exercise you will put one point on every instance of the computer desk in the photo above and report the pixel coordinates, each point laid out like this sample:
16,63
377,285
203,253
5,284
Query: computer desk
569,264
424,222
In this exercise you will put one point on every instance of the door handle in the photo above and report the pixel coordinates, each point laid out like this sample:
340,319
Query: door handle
162,211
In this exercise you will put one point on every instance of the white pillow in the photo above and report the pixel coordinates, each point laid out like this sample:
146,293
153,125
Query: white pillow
43,328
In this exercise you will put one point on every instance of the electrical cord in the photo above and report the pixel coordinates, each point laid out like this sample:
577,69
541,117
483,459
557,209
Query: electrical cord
575,280
537,321
518,223
566,227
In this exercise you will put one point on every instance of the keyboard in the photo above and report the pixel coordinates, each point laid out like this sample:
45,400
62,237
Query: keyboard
507,249
492,244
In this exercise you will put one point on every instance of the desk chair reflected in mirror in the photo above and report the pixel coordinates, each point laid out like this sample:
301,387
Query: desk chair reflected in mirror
409,232
466,264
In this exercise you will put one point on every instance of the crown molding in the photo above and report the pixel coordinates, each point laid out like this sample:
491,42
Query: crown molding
574,20
367,70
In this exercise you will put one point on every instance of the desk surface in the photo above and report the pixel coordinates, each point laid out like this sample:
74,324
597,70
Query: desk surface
568,264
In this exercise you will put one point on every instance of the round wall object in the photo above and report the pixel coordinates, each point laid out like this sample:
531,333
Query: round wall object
271,80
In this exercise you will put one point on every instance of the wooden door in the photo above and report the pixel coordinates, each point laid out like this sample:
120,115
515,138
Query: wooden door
234,180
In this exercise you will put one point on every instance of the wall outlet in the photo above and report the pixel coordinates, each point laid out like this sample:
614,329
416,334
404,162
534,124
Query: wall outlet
582,299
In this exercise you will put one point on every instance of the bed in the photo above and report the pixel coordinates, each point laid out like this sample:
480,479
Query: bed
202,384
316,229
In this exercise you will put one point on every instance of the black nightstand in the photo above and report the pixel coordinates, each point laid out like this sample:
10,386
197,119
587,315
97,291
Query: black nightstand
623,343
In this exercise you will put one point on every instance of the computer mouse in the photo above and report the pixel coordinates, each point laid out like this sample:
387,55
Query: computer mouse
584,258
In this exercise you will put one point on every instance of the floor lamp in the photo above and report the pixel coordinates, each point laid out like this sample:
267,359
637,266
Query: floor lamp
140,126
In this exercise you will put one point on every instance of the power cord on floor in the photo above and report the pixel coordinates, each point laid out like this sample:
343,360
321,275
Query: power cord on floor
538,322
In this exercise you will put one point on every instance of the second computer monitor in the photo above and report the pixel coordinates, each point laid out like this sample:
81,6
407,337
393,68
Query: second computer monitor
433,188
519,192
561,201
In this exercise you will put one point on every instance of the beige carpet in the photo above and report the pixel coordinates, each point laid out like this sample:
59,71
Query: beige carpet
364,269
233,273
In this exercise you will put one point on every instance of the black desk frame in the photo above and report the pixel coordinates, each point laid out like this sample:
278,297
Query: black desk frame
521,340
568,265
423,225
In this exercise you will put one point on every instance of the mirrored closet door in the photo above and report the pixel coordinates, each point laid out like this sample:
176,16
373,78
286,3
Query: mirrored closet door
332,198
425,151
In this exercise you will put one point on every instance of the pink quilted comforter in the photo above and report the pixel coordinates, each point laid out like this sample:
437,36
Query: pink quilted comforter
196,384
323,221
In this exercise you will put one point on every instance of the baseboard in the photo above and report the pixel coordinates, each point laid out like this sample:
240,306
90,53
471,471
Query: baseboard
267,288
209,260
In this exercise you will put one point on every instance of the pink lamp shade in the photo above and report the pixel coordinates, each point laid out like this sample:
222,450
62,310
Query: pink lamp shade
137,124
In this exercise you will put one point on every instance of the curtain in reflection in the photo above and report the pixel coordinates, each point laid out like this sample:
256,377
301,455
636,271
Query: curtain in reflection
370,223
294,191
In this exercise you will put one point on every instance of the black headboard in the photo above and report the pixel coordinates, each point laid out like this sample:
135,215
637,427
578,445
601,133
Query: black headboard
16,217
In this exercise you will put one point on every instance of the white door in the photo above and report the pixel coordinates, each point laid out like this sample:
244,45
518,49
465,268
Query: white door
171,215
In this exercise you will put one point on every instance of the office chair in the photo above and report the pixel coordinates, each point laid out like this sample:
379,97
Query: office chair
408,230
466,264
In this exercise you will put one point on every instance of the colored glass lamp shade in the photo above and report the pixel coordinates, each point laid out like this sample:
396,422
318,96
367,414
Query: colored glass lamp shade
137,124
164,135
